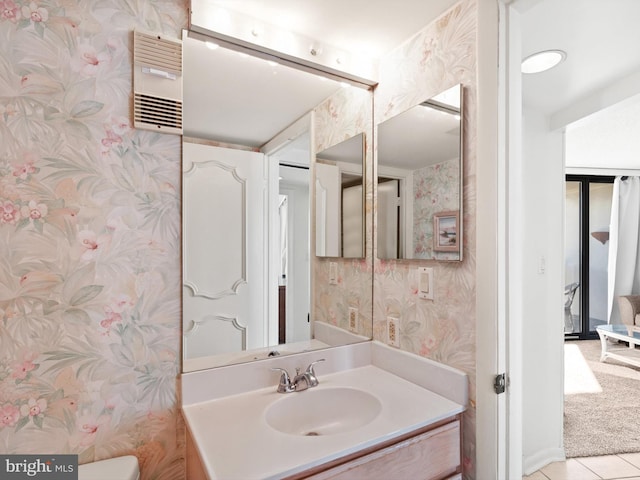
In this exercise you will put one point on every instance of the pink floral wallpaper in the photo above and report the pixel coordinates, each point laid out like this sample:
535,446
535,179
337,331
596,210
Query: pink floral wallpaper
438,57
90,231
345,114
89,239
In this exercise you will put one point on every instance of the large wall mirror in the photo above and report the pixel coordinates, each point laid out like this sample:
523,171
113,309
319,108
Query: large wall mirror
339,199
419,214
247,152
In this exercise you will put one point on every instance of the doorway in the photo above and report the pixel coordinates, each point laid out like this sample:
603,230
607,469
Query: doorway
294,263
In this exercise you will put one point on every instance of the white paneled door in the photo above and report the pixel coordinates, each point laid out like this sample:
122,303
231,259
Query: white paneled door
225,250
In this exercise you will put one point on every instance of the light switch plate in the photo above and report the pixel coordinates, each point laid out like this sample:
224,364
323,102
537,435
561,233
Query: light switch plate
425,283
333,273
393,334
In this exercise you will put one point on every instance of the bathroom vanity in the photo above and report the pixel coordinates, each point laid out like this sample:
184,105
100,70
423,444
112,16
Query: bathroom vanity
377,412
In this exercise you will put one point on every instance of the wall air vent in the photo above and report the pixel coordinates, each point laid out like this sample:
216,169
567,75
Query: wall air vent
157,83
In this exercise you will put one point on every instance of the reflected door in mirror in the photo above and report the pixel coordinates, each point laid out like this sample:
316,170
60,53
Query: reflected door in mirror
224,258
339,200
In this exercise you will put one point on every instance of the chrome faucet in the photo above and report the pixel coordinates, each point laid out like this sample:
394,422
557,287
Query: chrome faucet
285,385
301,381
310,374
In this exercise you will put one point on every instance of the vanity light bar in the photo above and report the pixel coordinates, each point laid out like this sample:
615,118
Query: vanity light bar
279,57
243,33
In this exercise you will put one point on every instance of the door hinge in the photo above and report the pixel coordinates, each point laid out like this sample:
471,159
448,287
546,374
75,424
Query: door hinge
500,383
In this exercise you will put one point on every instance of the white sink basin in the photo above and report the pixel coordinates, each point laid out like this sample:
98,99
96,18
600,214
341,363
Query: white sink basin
323,411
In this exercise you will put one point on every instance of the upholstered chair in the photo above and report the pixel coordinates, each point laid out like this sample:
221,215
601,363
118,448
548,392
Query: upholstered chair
629,309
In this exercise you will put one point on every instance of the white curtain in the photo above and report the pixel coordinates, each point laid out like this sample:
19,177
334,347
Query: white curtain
624,238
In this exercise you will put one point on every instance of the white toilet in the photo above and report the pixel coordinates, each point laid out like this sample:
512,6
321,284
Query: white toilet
119,468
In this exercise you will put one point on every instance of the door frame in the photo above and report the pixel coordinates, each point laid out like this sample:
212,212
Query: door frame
301,126
498,417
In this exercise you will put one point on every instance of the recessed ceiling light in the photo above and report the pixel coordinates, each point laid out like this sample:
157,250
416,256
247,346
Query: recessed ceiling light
542,61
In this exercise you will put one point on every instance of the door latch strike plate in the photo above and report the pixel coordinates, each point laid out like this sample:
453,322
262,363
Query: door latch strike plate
500,383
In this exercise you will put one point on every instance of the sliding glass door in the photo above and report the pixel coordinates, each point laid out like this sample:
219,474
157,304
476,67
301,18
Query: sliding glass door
587,217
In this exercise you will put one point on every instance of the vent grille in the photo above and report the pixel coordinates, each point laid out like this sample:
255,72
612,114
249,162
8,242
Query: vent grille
156,52
157,112
157,83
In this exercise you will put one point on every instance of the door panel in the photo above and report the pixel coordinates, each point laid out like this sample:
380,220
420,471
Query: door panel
224,249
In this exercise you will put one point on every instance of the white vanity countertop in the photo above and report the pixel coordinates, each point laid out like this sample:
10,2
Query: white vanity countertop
235,442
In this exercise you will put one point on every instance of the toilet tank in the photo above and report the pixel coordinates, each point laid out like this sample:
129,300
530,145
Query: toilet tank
118,468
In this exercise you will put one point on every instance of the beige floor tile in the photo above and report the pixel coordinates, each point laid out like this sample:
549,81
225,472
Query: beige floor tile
569,470
632,458
610,466
536,476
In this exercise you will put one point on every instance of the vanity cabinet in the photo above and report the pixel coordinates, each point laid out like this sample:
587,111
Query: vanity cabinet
427,454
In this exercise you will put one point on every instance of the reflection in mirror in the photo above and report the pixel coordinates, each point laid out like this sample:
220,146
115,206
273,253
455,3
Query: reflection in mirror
339,191
419,214
246,157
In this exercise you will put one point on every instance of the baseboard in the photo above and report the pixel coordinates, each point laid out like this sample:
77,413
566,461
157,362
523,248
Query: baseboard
535,462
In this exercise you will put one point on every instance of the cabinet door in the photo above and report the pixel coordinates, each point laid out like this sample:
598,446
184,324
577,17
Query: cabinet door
431,455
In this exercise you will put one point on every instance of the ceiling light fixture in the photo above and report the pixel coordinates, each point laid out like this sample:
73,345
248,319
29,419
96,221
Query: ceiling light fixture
542,61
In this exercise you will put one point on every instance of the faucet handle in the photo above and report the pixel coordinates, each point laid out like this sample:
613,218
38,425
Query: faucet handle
311,374
284,386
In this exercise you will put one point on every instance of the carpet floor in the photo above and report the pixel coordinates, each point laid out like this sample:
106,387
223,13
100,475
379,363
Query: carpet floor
605,422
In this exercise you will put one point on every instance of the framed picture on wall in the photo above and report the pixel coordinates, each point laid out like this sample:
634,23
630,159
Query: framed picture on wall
445,231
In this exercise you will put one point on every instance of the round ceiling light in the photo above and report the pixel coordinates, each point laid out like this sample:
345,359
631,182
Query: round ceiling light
542,61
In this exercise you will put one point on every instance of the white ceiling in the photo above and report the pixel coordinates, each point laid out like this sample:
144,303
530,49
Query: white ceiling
601,39
594,92
373,26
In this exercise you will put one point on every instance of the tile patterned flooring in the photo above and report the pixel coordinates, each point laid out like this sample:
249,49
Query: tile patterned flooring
607,467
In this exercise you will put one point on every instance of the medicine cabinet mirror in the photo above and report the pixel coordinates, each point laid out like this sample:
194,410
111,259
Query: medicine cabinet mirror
419,182
339,191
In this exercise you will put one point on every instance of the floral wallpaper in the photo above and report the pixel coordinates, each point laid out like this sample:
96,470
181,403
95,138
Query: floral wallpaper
345,114
435,189
90,239
90,231
436,58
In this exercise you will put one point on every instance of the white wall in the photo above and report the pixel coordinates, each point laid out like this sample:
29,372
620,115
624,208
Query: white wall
543,282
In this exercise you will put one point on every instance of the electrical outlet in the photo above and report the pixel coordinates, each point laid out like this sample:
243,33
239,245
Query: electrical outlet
333,273
353,319
393,334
